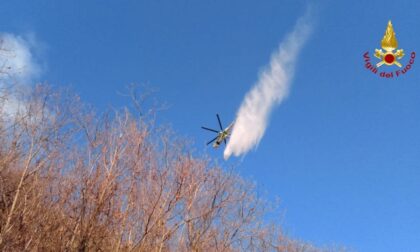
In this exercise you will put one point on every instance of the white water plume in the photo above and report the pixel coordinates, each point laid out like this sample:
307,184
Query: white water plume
270,90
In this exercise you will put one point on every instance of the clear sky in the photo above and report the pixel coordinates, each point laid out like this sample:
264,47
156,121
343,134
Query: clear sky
342,152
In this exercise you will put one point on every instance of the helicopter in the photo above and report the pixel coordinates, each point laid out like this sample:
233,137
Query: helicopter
222,135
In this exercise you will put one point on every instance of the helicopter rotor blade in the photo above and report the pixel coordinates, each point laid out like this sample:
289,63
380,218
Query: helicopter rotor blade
220,123
210,129
211,141
225,141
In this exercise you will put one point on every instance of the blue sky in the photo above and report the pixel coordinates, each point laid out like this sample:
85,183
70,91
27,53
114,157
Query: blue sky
342,152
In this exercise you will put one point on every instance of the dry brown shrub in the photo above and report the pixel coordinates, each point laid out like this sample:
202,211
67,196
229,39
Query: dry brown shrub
71,180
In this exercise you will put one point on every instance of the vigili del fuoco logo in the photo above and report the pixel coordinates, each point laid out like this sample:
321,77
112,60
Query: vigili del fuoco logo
389,55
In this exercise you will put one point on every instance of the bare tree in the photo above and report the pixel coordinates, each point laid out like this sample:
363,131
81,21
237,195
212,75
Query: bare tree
72,180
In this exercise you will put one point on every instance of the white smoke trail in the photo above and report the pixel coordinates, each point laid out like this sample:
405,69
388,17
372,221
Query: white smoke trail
17,62
271,88
18,68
